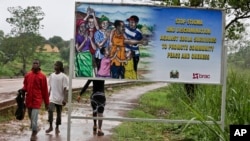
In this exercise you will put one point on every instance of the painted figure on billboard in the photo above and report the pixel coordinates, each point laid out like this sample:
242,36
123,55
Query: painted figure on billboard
92,26
132,32
83,43
118,50
122,45
105,63
102,39
157,45
129,66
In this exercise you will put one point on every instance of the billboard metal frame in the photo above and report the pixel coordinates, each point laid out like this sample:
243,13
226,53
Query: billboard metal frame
221,122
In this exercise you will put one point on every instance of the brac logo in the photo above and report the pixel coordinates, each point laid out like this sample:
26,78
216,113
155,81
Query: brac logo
201,76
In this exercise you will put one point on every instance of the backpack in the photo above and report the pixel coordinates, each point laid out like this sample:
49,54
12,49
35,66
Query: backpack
21,108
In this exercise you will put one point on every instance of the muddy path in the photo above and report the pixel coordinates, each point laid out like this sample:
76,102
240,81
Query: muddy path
81,129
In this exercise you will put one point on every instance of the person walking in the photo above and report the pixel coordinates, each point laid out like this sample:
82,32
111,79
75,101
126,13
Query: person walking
58,82
98,101
36,89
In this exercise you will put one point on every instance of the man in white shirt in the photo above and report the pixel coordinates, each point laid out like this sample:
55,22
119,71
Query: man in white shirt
58,83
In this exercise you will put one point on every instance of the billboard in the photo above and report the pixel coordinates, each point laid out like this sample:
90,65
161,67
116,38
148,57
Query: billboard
146,42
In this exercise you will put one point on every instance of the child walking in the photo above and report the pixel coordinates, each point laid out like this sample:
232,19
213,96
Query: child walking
58,83
98,102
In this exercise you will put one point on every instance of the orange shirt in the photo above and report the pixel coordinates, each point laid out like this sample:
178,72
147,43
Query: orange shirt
118,48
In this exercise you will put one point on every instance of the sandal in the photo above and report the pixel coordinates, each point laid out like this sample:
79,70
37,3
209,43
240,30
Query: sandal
57,131
100,133
49,130
94,129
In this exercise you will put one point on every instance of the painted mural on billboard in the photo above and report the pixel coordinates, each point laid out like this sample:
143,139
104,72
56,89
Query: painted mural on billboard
152,43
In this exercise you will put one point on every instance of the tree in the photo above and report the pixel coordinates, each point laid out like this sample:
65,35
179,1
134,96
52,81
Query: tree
1,36
65,53
56,41
25,20
8,50
1,40
25,33
62,45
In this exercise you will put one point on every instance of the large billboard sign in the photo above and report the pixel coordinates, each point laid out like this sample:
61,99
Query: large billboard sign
152,43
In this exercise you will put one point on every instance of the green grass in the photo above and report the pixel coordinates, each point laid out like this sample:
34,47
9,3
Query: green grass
7,114
47,60
171,102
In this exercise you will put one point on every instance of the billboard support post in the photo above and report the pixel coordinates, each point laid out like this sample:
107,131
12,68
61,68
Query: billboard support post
70,88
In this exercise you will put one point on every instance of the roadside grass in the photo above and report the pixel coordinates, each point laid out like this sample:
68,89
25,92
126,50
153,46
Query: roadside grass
47,60
171,102
7,115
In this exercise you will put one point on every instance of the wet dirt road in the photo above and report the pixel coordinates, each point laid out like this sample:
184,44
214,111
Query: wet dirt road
81,129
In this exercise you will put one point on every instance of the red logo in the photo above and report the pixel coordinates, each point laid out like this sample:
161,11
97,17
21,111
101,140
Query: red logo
201,76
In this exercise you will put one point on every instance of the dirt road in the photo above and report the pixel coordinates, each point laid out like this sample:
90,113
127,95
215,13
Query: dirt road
81,130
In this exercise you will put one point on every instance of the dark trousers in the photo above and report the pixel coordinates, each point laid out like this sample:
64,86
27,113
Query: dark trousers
136,61
117,72
52,107
98,63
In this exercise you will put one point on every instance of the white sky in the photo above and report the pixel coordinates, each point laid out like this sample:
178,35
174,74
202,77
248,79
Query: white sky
59,15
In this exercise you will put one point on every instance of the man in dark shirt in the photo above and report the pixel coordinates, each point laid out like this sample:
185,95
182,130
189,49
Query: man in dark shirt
98,101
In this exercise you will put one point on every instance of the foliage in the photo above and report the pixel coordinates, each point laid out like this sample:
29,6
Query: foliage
25,35
241,56
238,98
236,11
47,64
58,42
21,48
25,20
13,56
8,50
215,128
64,52
171,102
1,36
47,61
62,45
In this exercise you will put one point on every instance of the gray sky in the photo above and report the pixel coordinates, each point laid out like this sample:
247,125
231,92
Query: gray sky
59,15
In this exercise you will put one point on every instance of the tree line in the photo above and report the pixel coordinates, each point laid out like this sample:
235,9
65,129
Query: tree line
21,44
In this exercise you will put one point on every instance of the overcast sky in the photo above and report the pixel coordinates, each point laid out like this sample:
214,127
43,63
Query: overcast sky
59,15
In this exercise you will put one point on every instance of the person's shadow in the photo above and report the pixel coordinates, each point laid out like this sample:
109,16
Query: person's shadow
53,137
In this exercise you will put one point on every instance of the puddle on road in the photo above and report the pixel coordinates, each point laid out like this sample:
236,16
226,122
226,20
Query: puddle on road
81,129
